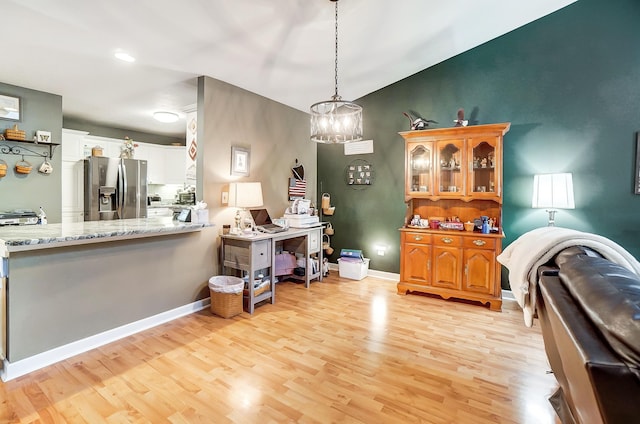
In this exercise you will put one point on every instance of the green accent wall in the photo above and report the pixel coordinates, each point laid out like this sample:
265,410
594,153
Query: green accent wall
569,83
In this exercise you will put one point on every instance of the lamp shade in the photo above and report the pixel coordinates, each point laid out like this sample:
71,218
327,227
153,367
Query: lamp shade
245,195
554,191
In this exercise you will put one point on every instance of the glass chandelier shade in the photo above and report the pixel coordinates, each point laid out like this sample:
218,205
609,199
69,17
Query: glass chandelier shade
336,121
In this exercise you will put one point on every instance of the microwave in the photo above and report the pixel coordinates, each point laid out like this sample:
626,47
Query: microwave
187,198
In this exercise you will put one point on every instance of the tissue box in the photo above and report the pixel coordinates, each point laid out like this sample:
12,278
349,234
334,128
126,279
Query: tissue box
354,269
200,216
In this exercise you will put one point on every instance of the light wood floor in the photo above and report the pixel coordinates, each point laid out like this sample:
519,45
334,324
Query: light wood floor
342,351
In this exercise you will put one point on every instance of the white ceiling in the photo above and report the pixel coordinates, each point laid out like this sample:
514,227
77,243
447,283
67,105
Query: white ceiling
280,49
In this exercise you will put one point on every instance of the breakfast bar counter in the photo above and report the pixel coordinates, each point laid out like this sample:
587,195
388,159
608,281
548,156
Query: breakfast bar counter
66,288
31,237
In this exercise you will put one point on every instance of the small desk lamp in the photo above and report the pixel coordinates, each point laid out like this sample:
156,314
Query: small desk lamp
553,191
243,196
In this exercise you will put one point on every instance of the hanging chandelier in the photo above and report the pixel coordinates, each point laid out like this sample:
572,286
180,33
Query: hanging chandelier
336,121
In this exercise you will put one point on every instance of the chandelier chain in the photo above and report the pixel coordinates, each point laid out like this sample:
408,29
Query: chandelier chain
336,96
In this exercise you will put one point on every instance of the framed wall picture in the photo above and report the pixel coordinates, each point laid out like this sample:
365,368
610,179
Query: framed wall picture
637,176
240,161
10,107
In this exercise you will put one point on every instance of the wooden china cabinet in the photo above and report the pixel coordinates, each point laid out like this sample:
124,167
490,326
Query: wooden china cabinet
453,175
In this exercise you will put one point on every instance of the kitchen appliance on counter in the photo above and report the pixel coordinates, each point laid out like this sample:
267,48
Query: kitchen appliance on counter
186,198
114,188
18,217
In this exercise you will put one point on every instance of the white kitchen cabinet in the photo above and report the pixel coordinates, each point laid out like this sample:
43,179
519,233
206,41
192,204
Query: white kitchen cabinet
165,164
72,175
175,164
73,143
110,146
157,212
154,156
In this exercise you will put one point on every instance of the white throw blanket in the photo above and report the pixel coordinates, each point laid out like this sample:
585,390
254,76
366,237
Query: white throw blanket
535,248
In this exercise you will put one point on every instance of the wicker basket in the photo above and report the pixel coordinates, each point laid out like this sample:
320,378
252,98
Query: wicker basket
226,305
258,290
23,167
226,295
14,133
3,168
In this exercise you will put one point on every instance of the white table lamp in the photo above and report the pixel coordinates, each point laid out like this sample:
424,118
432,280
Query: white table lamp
552,192
243,196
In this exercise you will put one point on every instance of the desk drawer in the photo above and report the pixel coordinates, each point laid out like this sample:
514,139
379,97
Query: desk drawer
238,254
314,241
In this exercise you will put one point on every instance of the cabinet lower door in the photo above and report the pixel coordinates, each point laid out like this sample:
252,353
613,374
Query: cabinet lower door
416,267
446,267
479,270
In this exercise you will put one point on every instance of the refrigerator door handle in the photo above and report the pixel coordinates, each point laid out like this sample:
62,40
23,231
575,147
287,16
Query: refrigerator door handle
124,182
119,192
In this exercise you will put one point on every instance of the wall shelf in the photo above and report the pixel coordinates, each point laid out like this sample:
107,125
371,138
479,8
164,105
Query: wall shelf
12,149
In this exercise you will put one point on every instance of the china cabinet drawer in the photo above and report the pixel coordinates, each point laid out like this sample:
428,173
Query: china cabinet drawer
447,240
479,243
417,237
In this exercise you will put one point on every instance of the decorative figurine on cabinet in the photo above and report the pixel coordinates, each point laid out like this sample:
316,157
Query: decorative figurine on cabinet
460,122
416,122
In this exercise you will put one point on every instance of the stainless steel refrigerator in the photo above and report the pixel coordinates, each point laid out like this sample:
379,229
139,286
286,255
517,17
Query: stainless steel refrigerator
114,188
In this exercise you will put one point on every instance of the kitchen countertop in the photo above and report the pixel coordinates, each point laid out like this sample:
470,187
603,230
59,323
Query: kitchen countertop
32,237
155,205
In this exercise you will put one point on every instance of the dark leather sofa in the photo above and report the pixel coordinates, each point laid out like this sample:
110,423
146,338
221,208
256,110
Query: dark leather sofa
589,314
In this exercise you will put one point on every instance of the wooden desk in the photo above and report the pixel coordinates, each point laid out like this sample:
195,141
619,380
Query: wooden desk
253,253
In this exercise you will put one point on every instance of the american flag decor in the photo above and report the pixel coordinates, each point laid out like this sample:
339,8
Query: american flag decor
297,188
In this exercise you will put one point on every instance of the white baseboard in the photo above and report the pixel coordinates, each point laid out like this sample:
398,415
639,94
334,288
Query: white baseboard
508,295
383,275
19,368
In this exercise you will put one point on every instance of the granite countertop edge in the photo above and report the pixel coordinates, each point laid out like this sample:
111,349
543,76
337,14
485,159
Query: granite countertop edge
62,234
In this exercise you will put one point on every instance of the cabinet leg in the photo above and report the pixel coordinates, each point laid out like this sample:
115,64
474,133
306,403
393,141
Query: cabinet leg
495,305
402,289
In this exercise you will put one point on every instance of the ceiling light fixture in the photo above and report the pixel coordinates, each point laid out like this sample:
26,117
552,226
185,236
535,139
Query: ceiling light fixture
166,117
336,121
124,56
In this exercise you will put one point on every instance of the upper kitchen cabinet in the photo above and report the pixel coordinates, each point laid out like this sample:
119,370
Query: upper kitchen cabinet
73,144
175,160
153,154
165,164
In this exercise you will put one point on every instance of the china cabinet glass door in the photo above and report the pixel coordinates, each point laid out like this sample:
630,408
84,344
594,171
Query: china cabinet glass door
450,168
484,168
420,169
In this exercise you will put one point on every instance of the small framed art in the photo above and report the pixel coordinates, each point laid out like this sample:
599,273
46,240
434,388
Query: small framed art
10,107
240,161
